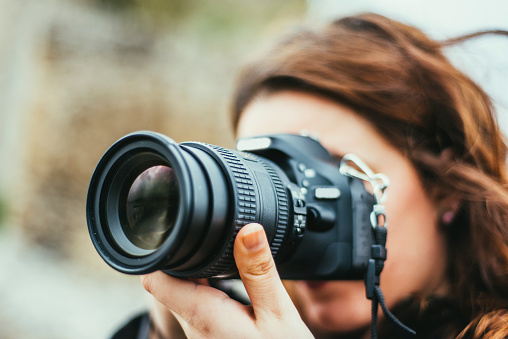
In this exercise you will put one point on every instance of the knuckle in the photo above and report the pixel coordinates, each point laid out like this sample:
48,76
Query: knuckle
277,315
260,266
147,283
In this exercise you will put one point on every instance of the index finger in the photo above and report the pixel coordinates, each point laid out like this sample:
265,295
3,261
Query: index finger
193,302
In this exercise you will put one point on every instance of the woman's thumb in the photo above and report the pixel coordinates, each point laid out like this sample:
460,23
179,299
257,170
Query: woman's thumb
258,272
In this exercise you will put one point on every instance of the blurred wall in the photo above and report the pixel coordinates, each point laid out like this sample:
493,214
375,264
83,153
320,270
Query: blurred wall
77,75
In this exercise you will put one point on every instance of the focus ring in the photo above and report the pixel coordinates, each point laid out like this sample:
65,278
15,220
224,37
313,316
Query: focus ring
282,209
245,211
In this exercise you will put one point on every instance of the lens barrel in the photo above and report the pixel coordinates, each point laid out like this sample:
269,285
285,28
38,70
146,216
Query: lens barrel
154,204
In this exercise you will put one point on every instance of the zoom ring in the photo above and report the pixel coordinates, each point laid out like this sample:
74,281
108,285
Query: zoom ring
246,212
282,210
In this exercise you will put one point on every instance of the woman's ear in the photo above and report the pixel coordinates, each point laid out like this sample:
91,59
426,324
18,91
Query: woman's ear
448,209
448,202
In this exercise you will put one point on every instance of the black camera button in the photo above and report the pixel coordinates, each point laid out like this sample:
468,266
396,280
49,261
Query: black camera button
299,203
319,218
298,231
299,225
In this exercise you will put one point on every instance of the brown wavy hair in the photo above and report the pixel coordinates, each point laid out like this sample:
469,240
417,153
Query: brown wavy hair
398,78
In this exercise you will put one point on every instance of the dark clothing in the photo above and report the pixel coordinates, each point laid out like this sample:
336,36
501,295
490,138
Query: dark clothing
136,328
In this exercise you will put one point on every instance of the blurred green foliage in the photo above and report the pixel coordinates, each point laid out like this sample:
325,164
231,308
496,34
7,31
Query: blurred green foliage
174,8
217,17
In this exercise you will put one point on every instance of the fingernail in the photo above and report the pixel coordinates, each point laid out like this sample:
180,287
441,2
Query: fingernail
253,238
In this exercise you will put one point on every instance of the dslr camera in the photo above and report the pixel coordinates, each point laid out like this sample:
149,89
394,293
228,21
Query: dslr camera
154,204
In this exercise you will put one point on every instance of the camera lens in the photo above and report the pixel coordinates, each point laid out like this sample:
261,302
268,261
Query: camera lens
152,207
154,204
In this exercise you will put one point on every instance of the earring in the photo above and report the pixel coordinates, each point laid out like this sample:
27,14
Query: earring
447,217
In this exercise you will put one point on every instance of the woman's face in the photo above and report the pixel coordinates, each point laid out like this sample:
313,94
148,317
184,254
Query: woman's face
416,248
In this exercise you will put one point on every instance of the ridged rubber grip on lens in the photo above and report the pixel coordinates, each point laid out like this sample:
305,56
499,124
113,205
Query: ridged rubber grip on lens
282,210
246,208
245,211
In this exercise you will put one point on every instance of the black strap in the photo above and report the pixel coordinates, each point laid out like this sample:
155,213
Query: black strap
404,331
373,291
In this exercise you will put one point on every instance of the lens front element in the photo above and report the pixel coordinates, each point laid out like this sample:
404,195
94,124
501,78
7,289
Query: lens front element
152,207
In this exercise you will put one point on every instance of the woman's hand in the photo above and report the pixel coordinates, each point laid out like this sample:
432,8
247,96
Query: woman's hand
205,312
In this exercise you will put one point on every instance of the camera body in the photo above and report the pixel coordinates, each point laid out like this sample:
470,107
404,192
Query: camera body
330,234
317,220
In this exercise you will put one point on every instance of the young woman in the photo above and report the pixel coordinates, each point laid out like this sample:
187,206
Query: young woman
384,91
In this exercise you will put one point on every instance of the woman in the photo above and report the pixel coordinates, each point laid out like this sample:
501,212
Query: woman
384,91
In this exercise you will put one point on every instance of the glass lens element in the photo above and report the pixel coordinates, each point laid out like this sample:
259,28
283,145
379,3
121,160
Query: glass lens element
152,207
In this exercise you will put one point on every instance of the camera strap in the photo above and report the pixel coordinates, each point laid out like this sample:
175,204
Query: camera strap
352,166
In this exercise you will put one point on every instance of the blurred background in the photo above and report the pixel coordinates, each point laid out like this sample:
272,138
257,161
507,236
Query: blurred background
76,75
